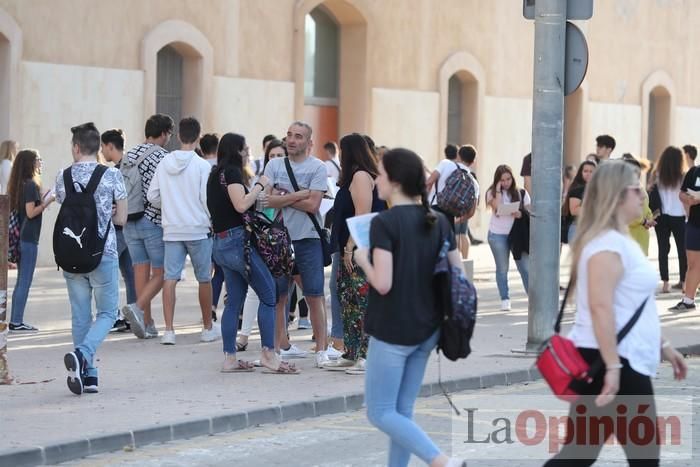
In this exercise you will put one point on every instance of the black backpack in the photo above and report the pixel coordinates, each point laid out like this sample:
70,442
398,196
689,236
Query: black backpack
77,246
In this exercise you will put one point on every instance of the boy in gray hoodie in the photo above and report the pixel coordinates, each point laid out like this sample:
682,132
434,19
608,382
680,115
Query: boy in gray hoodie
179,188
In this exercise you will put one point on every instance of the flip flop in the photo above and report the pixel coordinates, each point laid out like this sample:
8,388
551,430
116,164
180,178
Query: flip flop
243,367
241,347
285,368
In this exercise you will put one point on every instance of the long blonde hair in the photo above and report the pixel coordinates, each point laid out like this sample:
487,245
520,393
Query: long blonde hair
8,150
604,194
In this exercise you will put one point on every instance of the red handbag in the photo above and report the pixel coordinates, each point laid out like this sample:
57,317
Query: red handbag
562,365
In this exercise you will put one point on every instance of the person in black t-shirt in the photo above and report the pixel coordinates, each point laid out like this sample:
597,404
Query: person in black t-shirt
27,200
228,198
690,197
402,318
574,197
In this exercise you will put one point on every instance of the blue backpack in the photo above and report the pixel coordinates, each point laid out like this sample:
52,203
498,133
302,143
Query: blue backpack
457,297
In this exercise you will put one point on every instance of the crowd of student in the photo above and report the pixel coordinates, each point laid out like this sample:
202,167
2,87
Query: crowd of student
196,201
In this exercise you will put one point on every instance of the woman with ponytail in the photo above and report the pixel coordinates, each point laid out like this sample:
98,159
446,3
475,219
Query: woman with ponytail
402,319
504,190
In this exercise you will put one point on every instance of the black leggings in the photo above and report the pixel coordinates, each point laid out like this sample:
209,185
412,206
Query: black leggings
665,226
631,384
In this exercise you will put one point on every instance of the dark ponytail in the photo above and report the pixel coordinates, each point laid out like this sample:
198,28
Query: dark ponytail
405,167
430,217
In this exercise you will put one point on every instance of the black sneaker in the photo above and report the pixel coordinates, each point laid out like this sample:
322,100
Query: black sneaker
76,365
22,327
90,385
476,242
120,325
213,315
682,306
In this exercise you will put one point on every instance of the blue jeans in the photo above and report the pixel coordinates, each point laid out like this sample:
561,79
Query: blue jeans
501,255
392,383
337,320
126,267
217,282
25,273
103,283
228,253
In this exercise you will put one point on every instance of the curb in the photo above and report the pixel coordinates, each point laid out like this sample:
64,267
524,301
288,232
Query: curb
76,449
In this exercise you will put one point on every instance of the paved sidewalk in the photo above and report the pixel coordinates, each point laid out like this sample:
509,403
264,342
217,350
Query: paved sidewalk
146,385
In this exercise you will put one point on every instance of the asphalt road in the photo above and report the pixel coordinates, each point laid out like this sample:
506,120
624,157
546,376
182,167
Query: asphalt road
348,439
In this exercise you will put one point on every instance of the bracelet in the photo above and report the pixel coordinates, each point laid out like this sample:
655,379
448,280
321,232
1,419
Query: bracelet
616,366
262,187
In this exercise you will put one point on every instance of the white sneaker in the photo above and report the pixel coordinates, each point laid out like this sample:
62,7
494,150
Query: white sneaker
358,368
332,353
168,338
340,364
321,359
210,335
505,305
293,352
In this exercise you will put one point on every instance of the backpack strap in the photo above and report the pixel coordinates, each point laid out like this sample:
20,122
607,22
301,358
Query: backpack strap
95,178
154,148
68,180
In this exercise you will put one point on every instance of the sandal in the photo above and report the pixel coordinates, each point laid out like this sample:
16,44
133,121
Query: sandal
284,368
241,366
241,347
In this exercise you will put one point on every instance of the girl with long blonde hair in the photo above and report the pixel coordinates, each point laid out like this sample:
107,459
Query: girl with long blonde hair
613,278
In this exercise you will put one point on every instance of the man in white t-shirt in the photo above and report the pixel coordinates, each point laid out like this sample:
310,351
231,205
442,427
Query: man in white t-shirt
441,173
329,156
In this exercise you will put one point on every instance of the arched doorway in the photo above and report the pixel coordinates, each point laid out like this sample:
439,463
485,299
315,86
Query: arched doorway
659,122
331,81
178,64
658,105
573,128
462,109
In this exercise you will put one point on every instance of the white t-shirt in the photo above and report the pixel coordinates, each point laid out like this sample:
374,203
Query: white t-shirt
501,225
670,202
642,345
333,168
446,167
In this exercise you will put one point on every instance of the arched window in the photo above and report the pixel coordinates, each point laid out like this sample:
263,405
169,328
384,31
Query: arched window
5,104
321,66
659,123
462,109
331,91
178,67
169,87
321,57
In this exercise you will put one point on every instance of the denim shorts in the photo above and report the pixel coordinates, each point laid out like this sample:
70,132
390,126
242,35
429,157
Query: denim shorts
145,242
461,228
308,258
200,254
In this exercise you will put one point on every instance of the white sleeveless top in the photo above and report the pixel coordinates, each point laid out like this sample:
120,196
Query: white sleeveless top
642,345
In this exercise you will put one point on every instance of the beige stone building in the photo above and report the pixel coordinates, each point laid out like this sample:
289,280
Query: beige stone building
415,73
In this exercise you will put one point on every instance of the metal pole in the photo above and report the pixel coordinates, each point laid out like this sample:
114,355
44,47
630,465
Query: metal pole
547,142
5,377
